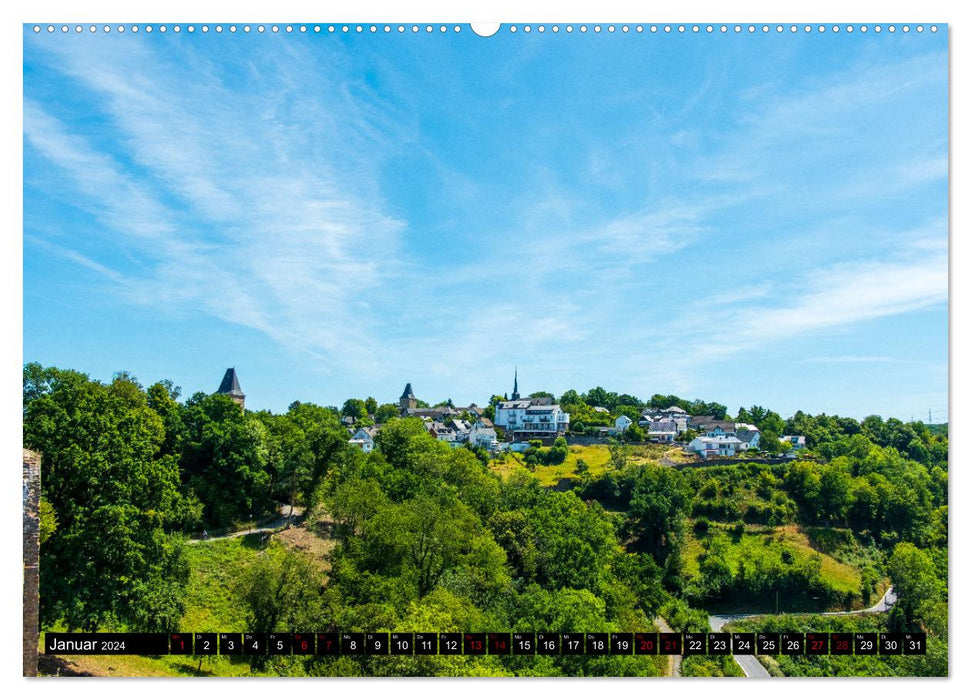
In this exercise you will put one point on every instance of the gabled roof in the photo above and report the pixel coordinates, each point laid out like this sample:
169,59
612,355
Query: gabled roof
230,384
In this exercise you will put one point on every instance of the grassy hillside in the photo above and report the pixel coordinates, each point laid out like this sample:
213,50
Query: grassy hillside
760,548
596,457
211,606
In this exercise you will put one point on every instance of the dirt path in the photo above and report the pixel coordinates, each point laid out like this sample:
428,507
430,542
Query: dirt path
667,461
280,521
674,662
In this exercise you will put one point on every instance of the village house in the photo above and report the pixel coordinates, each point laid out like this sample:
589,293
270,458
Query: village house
442,432
672,413
482,434
709,446
364,438
793,442
720,428
699,423
663,431
749,436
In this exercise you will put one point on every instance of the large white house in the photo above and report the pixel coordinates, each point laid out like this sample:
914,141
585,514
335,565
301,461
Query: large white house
531,418
716,445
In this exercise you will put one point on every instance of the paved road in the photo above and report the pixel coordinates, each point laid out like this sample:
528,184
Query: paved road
751,666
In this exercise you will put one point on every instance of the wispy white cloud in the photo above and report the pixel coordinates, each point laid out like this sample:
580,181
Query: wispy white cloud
833,298
234,211
82,260
849,359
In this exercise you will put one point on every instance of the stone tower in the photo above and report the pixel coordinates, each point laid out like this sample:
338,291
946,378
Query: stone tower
407,399
230,387
515,386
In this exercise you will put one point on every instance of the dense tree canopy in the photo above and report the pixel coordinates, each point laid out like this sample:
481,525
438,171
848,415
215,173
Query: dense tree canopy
109,560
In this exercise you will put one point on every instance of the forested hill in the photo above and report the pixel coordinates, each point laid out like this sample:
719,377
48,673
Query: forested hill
426,537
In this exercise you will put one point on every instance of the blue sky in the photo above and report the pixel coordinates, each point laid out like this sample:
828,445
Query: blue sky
743,219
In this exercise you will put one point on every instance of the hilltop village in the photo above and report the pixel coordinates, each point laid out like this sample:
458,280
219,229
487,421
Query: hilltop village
618,513
515,423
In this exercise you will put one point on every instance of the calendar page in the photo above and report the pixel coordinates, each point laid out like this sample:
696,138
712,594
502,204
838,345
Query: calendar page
279,279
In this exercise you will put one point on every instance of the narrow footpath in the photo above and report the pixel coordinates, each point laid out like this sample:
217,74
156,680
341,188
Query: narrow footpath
674,662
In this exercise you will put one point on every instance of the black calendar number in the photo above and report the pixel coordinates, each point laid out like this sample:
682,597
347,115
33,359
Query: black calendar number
474,643
302,643
278,643
352,643
792,643
180,643
376,643
817,643
206,643
767,643
548,643
865,643
914,643
426,643
891,643
669,643
598,643
524,643
840,644
694,643
230,643
621,643
571,643
328,643
743,643
450,643
719,643
254,643
645,643
402,643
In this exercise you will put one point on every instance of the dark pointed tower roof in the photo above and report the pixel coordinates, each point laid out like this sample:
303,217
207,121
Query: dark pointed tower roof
408,393
230,384
515,386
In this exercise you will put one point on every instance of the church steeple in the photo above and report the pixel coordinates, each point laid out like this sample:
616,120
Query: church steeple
515,386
